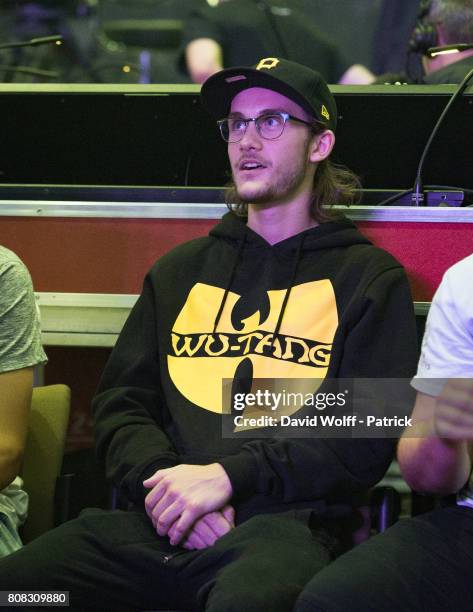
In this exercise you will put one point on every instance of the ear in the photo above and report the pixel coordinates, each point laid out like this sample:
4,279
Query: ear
322,145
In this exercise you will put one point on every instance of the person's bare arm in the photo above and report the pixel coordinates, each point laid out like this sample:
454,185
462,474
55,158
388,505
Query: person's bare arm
438,459
203,59
15,400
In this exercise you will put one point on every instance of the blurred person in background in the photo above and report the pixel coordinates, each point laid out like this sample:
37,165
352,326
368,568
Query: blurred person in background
438,49
446,23
238,33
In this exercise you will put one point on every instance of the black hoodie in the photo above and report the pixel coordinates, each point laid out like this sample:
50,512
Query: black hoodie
322,303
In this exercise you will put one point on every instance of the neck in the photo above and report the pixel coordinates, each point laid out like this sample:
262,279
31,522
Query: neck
277,221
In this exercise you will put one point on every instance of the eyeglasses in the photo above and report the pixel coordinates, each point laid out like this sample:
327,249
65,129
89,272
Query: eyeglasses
269,126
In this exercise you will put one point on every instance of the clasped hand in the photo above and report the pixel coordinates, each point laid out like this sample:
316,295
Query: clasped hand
188,503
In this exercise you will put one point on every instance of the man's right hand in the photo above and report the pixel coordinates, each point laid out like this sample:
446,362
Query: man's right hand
209,528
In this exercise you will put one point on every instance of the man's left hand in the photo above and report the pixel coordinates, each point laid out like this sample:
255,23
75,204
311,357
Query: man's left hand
180,495
208,529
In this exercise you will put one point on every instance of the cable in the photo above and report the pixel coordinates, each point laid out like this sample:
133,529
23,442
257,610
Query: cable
51,74
34,42
418,196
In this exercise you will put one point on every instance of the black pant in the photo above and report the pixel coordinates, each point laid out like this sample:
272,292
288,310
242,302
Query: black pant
115,561
420,564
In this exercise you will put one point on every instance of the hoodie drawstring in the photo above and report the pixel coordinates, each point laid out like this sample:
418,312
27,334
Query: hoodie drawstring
229,283
288,290
286,296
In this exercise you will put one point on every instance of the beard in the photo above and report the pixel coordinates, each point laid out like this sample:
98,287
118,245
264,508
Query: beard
285,184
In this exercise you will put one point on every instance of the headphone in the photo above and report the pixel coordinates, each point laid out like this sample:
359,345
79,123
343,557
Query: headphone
424,35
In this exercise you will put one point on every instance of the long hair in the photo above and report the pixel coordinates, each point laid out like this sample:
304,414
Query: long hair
334,184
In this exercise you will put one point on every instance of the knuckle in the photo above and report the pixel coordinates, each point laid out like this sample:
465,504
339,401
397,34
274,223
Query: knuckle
193,506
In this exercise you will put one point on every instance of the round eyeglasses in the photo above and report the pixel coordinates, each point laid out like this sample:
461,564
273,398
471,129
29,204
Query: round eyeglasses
268,125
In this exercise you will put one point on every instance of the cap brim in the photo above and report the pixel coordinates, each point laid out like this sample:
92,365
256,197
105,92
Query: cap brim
219,90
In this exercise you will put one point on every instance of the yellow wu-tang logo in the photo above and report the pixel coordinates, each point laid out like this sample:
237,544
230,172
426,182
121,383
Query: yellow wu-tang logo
199,360
324,112
267,63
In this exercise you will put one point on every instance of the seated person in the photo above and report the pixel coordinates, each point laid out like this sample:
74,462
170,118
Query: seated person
238,33
452,23
283,289
441,23
20,350
425,562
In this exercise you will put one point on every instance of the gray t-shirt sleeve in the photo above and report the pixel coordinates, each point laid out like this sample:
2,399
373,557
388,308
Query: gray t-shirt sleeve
20,335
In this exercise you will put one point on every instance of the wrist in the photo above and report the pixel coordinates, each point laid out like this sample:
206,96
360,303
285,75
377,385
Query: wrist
222,480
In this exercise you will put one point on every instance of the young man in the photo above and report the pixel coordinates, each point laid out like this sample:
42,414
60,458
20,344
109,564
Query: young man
20,350
237,523
423,563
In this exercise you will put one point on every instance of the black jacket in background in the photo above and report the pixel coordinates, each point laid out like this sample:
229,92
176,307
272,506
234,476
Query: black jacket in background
160,400
247,33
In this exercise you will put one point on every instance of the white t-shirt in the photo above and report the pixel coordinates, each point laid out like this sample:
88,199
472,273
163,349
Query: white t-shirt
447,347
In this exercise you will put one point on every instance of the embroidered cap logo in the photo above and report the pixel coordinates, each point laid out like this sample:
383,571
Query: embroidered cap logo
324,112
267,63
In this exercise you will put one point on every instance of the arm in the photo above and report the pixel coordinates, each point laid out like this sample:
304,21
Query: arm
439,460
20,349
129,412
15,400
129,408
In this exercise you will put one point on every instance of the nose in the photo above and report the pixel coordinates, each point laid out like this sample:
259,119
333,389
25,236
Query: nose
251,139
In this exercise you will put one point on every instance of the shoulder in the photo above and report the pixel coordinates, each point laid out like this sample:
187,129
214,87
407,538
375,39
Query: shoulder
188,254
456,289
14,274
461,271
372,261
8,257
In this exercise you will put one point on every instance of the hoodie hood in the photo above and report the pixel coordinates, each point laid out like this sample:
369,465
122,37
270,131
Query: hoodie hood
332,234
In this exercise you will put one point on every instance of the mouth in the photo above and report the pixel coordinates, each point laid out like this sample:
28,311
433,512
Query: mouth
250,165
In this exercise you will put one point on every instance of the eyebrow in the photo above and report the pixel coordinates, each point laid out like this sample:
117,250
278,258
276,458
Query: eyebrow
265,111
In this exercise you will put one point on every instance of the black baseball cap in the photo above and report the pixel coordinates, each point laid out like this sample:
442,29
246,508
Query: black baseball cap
301,84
